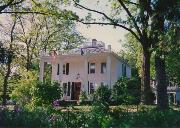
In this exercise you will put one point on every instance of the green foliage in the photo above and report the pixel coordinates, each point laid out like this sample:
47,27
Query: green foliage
102,94
21,87
126,91
172,65
83,97
146,116
45,93
24,118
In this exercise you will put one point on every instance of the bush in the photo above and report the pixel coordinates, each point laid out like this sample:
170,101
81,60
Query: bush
126,91
83,97
24,118
21,92
45,93
102,94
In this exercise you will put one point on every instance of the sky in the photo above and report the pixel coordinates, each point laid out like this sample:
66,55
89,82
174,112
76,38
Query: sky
107,34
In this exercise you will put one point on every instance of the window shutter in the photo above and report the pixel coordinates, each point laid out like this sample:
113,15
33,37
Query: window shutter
68,93
58,69
88,88
72,91
88,67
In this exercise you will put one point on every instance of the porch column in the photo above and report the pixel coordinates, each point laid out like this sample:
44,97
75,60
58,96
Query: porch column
108,62
156,97
41,70
86,75
54,71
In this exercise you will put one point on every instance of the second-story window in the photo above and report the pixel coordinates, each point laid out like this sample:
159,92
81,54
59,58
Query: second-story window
103,67
66,68
92,68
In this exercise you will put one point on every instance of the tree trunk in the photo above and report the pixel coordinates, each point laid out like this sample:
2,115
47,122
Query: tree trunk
28,62
146,93
10,57
5,84
162,97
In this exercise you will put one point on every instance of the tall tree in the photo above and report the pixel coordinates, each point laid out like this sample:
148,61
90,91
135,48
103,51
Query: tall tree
137,23
145,21
8,62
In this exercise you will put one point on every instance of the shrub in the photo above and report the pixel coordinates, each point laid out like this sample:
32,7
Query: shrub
45,93
21,92
83,97
24,118
102,94
126,91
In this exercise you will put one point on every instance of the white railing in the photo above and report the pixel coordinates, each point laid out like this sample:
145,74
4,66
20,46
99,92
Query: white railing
96,43
169,87
86,48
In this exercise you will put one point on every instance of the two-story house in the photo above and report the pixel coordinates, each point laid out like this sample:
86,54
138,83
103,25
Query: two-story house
85,68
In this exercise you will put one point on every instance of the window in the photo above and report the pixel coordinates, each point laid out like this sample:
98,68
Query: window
92,68
58,69
103,67
65,88
123,70
66,68
90,88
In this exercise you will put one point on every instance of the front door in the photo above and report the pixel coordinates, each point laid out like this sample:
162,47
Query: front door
76,88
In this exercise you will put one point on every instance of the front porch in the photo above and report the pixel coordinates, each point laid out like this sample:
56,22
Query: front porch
71,91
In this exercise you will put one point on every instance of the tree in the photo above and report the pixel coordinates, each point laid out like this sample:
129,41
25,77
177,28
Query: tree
8,62
47,34
25,41
136,23
31,6
145,20
21,87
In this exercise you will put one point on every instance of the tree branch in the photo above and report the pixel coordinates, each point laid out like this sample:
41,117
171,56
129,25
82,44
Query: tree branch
129,2
17,2
5,6
132,18
111,24
10,12
91,10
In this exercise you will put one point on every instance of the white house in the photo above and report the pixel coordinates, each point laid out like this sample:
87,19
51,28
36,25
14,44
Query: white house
85,68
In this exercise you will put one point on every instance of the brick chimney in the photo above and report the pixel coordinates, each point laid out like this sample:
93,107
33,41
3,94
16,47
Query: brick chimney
94,41
109,48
